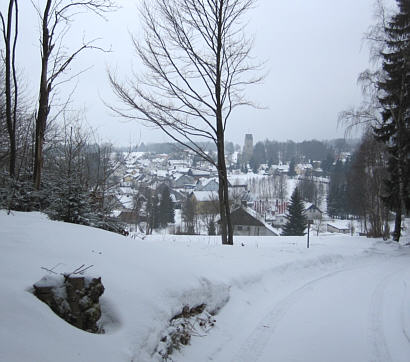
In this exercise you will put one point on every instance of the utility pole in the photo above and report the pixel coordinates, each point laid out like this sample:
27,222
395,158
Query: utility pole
309,223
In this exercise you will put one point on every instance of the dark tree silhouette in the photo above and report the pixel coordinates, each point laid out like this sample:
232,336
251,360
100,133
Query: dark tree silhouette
297,222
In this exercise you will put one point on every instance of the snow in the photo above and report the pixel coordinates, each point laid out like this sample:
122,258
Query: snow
343,299
204,196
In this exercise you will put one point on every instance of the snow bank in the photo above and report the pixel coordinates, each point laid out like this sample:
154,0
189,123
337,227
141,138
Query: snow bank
147,282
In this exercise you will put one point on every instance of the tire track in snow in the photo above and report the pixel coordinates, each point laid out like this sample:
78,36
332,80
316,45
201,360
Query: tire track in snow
377,336
255,344
405,314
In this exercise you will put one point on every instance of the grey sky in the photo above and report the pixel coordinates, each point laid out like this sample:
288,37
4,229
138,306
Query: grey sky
314,53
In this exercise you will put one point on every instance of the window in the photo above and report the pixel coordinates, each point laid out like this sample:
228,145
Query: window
239,228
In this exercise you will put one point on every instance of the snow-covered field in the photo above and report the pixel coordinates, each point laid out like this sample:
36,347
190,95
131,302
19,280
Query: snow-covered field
343,299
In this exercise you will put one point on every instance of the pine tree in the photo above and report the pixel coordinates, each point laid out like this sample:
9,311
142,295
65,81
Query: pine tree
155,212
189,215
336,199
297,221
166,208
395,101
292,171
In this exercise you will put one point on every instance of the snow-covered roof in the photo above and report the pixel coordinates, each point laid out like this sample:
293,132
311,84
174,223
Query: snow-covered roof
196,172
340,224
203,196
126,200
162,173
257,217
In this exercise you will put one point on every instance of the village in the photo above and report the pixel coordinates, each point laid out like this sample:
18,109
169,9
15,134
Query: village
258,200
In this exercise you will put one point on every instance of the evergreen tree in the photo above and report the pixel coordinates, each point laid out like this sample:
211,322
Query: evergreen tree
166,208
69,201
211,227
326,164
292,165
395,102
336,198
308,190
189,215
258,156
297,221
155,212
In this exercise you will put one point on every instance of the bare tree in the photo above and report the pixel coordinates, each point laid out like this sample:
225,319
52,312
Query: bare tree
10,42
365,186
56,19
282,187
386,106
196,58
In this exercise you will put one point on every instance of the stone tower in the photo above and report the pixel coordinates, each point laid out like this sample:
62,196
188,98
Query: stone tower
247,151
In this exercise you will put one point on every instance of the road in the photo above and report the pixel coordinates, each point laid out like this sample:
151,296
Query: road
359,311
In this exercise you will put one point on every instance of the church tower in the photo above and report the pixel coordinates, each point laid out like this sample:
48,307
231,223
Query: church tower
247,151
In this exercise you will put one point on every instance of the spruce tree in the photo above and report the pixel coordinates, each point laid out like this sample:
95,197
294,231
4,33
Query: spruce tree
166,208
297,221
395,101
292,172
336,198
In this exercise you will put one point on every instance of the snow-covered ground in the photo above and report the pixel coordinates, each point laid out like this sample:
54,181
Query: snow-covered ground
343,299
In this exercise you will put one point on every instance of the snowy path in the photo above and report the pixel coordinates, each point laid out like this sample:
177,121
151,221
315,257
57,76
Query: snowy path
359,312
344,299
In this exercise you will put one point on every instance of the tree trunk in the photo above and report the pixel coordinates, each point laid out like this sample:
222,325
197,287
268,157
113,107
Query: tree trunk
226,225
43,109
226,201
9,58
401,168
397,224
222,210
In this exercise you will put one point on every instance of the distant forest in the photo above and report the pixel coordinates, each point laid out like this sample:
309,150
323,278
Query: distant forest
269,152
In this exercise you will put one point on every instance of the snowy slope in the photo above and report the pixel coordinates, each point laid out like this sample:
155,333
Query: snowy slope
258,286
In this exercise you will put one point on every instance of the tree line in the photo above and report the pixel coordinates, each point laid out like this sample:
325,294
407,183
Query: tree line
48,160
385,112
273,152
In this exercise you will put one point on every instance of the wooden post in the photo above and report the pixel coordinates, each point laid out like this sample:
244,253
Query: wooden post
309,222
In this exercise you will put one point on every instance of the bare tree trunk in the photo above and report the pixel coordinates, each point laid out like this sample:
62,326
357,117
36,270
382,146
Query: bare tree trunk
223,188
11,116
401,165
43,108
227,235
222,211
397,224
56,13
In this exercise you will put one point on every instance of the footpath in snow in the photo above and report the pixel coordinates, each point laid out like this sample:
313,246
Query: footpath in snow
344,299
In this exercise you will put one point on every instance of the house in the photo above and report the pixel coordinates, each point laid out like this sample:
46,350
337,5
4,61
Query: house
246,221
206,201
338,227
210,184
279,220
128,178
184,181
312,212
177,199
198,173
129,216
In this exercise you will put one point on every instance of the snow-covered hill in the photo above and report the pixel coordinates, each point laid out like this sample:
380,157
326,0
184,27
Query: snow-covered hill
274,296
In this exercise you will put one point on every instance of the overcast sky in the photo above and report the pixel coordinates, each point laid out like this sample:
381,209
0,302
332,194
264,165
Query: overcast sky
313,52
